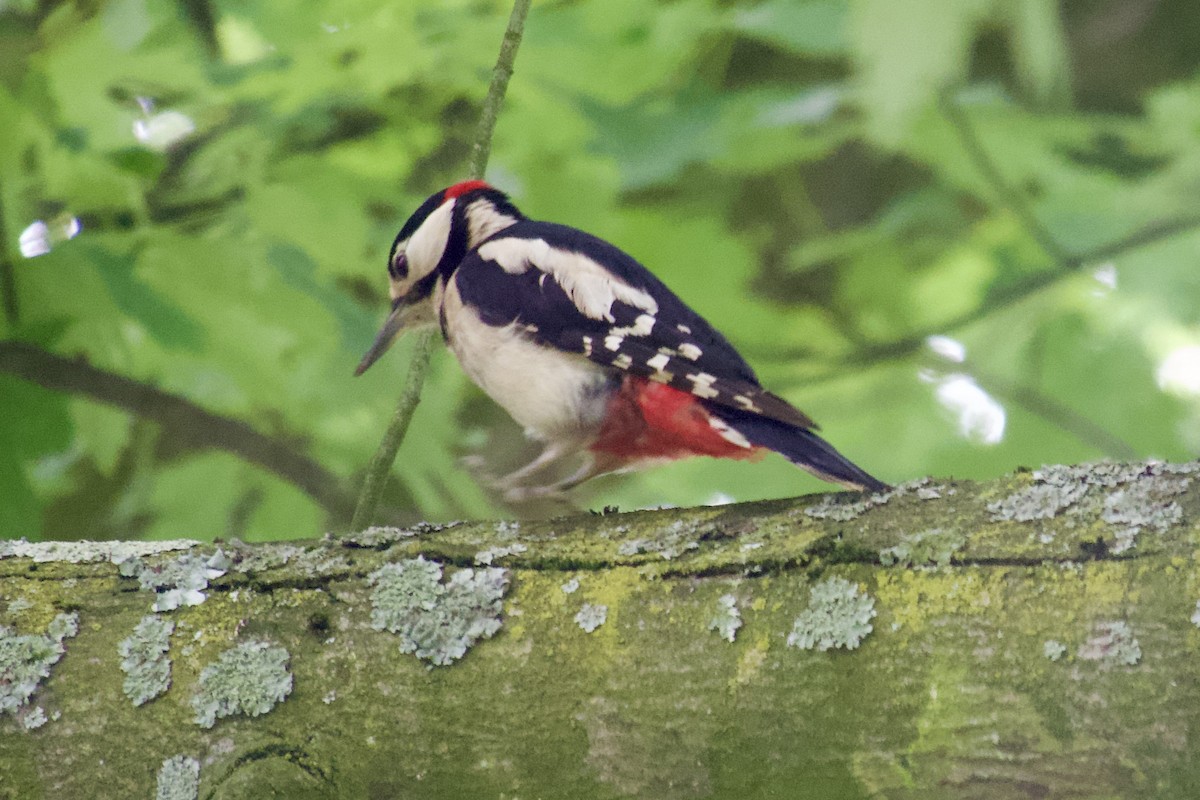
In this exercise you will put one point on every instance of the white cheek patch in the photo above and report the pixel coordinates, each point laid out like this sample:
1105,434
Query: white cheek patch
590,286
428,244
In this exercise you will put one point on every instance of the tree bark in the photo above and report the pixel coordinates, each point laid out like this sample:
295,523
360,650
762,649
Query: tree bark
1030,637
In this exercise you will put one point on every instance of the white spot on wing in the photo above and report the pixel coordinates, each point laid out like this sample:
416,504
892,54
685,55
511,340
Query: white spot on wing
643,325
613,342
591,287
659,361
702,385
684,329
623,361
729,434
690,351
746,403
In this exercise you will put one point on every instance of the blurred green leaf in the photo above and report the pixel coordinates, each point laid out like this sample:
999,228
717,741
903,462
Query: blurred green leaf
35,424
162,319
828,181
906,54
813,27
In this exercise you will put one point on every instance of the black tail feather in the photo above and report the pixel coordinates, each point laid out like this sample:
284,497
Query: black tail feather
802,447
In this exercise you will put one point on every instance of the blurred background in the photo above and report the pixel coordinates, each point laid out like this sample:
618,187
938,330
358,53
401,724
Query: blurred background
963,235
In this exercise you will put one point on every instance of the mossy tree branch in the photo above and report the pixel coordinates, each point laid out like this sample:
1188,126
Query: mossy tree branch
385,455
1028,637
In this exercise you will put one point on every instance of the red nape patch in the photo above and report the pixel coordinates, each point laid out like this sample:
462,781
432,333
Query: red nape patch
460,189
649,420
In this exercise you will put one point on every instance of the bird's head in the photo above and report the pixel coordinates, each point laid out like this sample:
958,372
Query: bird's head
433,241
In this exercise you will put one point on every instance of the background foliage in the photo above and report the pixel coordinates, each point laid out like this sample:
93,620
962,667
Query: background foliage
832,182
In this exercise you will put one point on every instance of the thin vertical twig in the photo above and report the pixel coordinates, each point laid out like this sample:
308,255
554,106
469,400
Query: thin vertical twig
385,455
503,71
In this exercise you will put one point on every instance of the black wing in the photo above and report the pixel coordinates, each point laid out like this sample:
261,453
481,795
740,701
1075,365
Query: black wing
577,293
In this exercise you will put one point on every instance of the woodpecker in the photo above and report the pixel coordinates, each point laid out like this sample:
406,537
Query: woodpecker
585,348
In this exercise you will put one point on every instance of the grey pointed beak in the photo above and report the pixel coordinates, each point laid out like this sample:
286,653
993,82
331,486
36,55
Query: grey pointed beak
393,326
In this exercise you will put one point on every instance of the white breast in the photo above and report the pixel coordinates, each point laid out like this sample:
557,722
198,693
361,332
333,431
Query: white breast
550,393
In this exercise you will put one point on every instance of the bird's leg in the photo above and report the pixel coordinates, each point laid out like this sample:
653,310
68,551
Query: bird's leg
553,452
594,464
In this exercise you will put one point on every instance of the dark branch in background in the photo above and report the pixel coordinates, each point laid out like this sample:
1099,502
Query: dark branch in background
186,423
200,16
1056,413
385,456
8,279
1010,198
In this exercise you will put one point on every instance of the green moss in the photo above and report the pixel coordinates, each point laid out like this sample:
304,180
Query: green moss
914,599
144,659
934,546
251,679
178,779
727,619
591,616
25,661
838,615
437,621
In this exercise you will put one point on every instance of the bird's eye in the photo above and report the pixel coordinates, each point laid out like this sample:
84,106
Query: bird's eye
398,266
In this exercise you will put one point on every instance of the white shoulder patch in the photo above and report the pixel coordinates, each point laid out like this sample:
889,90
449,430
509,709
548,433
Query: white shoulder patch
590,286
